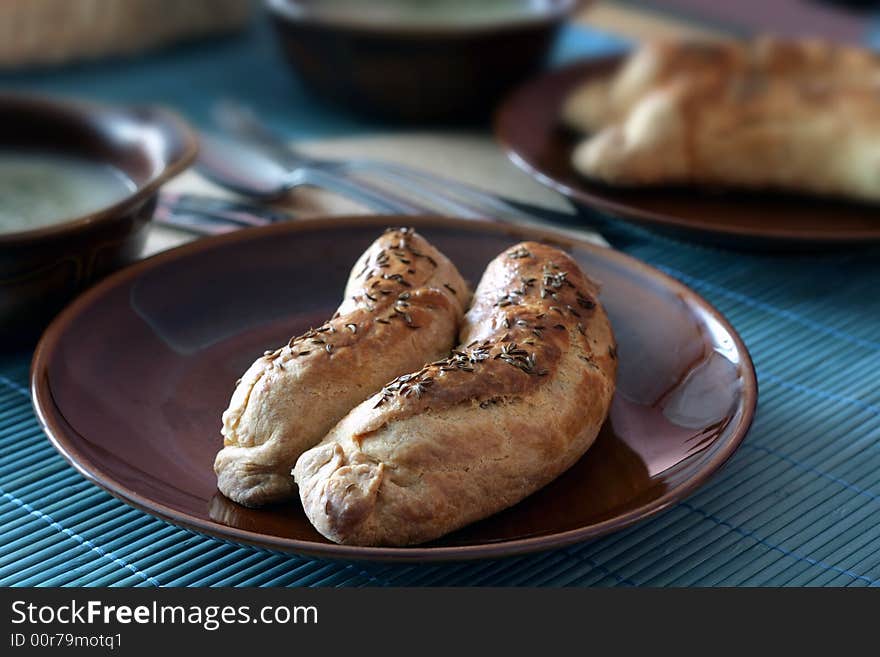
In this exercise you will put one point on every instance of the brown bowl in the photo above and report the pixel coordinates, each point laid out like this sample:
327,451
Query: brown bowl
42,269
416,71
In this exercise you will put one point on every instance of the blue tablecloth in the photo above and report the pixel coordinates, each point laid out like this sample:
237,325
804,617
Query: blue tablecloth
799,504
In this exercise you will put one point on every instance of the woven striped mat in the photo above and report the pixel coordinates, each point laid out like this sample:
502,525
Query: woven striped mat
799,504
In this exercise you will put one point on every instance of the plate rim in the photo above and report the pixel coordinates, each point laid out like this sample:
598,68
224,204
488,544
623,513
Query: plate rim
633,214
63,437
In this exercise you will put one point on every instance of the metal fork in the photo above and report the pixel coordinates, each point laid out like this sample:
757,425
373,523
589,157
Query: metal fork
207,215
441,193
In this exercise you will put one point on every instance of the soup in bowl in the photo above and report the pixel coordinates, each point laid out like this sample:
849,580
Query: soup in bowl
44,189
78,185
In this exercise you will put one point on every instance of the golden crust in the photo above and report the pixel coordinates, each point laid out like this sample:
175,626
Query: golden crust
514,406
403,304
797,116
806,63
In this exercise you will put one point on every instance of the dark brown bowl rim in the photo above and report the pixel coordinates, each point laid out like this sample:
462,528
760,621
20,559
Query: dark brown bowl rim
651,218
545,18
110,213
53,422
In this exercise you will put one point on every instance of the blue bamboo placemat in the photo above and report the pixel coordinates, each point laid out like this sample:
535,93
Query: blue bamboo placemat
799,504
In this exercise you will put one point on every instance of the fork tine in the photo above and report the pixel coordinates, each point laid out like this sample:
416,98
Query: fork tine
437,200
477,200
211,216
222,206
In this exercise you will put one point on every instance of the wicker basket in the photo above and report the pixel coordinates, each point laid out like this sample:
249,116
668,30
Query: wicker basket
45,32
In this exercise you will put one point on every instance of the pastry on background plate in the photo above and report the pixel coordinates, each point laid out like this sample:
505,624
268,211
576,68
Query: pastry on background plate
801,116
600,102
402,307
515,405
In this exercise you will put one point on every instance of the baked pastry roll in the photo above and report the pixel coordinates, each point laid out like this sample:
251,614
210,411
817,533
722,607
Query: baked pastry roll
402,307
808,62
795,116
513,407
746,135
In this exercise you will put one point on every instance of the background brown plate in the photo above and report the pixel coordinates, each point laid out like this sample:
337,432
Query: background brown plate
130,381
527,126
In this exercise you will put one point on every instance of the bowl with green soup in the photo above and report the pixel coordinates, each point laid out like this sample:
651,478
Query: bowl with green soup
78,186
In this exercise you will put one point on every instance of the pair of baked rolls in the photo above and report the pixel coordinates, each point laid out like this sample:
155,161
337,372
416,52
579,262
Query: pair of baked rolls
477,428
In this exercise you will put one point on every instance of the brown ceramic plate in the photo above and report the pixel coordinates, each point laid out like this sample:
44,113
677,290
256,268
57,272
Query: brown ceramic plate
527,126
130,381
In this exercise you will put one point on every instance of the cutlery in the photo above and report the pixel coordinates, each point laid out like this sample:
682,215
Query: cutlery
250,171
206,215
241,122
233,163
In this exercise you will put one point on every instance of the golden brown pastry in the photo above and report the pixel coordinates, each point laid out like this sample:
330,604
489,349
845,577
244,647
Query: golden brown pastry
513,407
403,305
767,60
746,134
